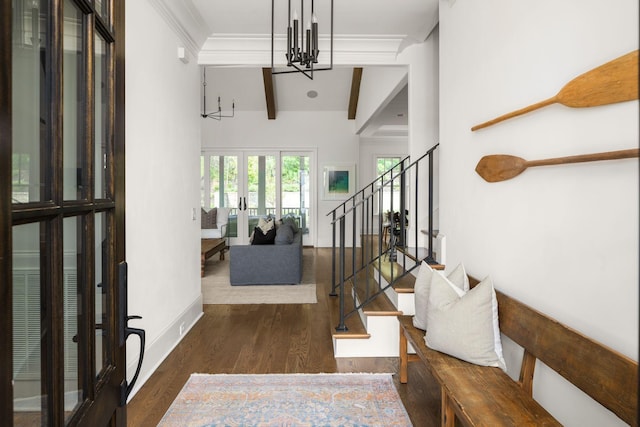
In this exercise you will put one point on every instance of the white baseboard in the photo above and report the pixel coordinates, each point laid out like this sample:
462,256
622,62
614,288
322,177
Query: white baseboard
161,347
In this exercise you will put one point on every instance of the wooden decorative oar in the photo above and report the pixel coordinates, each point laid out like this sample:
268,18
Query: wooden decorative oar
500,167
615,81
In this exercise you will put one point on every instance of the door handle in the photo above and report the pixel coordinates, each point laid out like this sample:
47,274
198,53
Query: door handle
141,335
126,331
244,202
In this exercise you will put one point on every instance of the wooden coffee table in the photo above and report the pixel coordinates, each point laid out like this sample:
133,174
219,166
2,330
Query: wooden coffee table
208,247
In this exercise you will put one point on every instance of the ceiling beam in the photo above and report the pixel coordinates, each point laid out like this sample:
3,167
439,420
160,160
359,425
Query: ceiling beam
269,93
355,92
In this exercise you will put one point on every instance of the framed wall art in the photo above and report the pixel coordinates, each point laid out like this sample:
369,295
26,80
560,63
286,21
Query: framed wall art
339,181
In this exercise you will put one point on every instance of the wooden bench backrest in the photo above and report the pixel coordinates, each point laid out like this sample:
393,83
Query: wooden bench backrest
607,376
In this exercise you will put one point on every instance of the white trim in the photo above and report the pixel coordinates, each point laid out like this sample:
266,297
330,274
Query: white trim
158,350
188,32
255,49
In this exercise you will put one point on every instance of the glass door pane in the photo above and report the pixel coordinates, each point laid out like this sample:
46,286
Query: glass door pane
219,186
29,332
261,192
74,107
101,294
30,118
102,7
296,199
73,276
101,126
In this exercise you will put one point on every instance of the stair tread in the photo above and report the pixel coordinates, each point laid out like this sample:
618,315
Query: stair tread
391,271
405,284
355,327
380,305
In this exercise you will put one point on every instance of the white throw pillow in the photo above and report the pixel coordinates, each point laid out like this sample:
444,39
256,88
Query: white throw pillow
223,217
458,276
464,324
266,224
421,290
421,295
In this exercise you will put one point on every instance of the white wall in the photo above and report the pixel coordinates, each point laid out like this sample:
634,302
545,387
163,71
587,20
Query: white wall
424,122
563,239
377,86
162,175
330,133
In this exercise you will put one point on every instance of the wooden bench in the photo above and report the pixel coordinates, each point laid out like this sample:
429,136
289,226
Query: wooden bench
208,247
480,395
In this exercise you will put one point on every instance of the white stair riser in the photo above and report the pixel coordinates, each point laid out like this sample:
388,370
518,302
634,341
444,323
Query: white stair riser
383,330
385,336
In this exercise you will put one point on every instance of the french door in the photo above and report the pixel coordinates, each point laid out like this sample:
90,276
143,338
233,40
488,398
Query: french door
61,212
254,184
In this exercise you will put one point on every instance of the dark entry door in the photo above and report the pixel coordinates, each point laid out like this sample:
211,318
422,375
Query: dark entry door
61,212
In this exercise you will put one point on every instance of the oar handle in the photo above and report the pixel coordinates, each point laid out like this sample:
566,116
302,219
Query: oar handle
607,155
517,113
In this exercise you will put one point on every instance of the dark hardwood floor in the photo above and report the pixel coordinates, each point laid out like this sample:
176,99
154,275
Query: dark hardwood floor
264,339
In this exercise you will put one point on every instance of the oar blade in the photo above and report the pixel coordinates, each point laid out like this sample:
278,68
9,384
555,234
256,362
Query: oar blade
613,82
500,167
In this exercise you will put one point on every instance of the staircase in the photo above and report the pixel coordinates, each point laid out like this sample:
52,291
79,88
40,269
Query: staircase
373,277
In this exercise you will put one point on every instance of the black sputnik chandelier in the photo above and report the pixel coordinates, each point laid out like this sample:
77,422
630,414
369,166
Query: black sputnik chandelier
302,50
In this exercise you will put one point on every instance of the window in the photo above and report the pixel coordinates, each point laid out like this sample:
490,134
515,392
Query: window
390,168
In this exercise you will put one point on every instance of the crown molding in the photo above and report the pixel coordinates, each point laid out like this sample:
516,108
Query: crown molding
255,49
185,21
385,131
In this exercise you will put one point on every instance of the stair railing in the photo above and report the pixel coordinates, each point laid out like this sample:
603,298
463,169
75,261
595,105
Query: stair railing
359,212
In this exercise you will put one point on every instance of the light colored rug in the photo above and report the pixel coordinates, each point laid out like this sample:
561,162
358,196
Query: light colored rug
216,288
287,400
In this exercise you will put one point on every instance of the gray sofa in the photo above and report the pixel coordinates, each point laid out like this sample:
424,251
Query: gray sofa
277,264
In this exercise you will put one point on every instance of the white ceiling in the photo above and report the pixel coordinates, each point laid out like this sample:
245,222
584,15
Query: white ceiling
407,20
360,17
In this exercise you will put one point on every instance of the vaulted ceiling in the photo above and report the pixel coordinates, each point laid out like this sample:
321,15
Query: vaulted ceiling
233,40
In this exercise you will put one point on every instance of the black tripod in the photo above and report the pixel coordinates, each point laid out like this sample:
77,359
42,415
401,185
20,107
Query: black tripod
396,230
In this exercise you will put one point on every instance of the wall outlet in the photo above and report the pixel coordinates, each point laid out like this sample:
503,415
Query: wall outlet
181,328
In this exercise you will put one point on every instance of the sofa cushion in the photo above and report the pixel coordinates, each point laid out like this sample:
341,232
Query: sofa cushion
284,234
291,220
208,219
259,238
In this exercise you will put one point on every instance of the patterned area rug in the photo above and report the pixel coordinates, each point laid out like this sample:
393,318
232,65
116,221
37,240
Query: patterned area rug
216,288
287,400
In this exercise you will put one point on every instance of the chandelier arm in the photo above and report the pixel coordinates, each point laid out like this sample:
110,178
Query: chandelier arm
204,92
331,56
272,29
